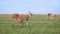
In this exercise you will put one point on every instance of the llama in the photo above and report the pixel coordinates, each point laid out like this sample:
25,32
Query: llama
21,18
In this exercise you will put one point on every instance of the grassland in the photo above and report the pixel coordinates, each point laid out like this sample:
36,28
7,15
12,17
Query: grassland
38,24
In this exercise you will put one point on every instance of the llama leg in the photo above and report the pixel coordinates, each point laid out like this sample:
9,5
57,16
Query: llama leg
14,24
14,20
50,18
27,23
20,22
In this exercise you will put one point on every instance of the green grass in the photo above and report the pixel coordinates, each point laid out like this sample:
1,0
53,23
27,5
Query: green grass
38,24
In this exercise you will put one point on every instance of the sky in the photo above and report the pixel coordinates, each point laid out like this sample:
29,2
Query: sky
24,6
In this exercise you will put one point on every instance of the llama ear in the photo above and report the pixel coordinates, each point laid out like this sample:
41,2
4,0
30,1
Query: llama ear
30,13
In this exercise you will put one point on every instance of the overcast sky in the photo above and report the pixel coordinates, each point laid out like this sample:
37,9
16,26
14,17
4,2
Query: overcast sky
35,6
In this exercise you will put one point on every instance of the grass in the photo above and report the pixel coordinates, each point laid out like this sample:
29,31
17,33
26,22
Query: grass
38,24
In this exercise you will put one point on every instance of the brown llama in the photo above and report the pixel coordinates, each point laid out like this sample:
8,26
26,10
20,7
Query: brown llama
21,18
51,16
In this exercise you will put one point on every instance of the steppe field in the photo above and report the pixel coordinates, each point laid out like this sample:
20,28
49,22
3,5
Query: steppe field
38,24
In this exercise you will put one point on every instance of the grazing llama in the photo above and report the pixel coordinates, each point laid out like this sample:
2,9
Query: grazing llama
51,16
20,18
